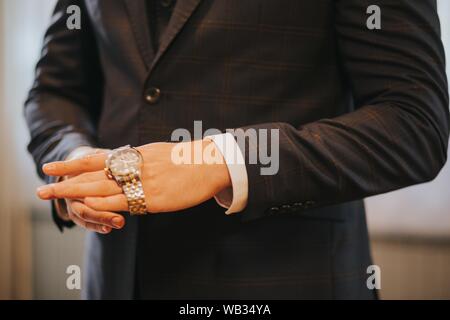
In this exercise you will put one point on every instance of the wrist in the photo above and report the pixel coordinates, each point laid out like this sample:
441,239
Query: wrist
216,170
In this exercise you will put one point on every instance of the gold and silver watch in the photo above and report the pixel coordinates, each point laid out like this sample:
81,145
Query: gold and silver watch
124,166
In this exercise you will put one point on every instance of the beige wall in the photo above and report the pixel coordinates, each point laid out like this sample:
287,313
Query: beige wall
22,23
4,220
413,268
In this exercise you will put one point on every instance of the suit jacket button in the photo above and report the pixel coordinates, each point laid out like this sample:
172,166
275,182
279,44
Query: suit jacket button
152,95
274,210
309,204
166,3
298,205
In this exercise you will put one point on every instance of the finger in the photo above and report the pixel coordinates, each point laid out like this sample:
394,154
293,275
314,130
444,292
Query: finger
88,163
88,177
113,203
87,214
89,226
67,190
100,150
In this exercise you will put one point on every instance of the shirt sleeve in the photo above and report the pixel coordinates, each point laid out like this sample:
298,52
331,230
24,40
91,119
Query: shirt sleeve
235,197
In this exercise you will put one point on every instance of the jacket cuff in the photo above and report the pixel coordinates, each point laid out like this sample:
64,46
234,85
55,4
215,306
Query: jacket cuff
260,187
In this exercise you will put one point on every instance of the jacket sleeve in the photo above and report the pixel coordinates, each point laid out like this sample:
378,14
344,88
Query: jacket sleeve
396,137
64,102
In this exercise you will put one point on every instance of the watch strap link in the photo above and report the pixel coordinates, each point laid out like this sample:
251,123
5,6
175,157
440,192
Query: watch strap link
134,192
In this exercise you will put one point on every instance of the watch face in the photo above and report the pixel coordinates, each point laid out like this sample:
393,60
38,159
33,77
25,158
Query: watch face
124,161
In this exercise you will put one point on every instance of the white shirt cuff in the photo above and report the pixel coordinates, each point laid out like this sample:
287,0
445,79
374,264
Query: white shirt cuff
234,198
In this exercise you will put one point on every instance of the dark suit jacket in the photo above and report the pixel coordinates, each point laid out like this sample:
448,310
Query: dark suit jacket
360,112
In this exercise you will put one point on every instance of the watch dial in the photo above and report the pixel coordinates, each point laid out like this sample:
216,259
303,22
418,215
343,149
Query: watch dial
124,162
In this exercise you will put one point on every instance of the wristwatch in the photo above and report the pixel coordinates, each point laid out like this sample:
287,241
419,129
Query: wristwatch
124,166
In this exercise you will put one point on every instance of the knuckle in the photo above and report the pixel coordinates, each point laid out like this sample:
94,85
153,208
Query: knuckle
111,186
64,166
86,177
102,229
99,218
85,161
82,214
104,219
53,189
59,190
91,202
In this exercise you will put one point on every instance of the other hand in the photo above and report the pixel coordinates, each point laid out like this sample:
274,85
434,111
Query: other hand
83,216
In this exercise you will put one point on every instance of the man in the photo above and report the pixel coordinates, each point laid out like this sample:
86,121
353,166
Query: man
359,111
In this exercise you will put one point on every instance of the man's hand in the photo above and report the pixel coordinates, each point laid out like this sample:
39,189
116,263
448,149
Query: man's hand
168,186
82,215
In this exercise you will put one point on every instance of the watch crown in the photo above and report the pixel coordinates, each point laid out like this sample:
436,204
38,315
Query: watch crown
108,173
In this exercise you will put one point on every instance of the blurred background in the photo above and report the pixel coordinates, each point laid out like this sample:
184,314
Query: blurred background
409,229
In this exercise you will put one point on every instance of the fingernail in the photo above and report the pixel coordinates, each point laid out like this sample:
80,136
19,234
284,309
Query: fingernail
105,229
117,222
43,192
48,167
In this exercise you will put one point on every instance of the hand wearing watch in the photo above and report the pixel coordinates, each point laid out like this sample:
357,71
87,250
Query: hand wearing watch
124,166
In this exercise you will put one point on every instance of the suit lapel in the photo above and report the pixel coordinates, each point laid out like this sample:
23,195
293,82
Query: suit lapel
137,12
181,13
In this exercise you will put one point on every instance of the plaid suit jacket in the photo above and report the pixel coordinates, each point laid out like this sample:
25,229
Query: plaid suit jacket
360,112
